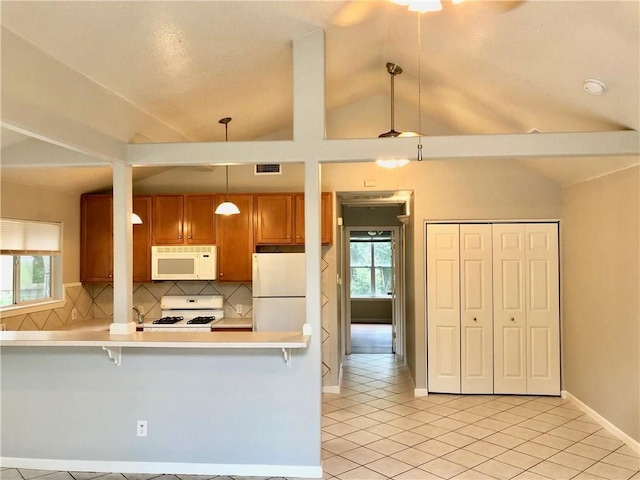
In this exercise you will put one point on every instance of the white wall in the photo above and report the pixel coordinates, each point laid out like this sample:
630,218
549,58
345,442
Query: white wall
35,203
600,294
449,190
206,409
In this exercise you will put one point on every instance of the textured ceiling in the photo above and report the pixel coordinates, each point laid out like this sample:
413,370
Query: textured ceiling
486,66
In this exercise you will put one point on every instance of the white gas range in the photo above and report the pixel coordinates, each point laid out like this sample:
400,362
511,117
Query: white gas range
187,313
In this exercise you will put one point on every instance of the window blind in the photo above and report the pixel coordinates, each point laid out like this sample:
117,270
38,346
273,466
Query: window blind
29,237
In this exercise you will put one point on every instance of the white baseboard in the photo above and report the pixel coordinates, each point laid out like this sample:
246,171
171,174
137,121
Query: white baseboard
331,389
607,425
299,471
420,392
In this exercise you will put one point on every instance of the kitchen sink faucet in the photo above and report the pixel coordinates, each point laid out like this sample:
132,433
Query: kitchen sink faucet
140,316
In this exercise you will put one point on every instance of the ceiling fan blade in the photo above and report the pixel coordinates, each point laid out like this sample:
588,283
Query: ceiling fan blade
353,12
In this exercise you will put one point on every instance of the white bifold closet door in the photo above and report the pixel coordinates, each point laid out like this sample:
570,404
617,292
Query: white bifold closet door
459,298
493,308
443,299
476,309
526,309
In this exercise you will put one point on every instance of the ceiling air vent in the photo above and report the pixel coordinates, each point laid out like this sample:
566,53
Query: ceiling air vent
268,169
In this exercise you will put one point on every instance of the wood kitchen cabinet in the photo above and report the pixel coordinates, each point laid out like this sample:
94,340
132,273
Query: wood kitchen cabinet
274,219
280,219
96,239
235,240
142,234
184,220
326,212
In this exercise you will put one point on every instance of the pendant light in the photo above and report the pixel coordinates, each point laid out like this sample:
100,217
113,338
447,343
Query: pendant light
135,219
226,207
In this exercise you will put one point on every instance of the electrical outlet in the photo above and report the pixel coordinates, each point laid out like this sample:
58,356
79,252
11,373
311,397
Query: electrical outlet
239,308
141,427
74,314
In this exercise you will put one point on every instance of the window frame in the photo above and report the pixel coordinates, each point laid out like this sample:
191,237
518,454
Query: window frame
55,299
372,269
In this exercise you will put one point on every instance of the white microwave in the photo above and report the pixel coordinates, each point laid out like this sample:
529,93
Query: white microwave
183,262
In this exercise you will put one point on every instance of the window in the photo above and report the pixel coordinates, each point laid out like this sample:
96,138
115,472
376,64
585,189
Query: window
371,267
29,256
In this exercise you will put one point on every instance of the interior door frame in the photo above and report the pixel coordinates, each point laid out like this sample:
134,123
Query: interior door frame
398,289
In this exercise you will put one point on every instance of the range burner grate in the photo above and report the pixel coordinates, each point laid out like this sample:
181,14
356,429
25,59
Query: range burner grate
168,320
202,320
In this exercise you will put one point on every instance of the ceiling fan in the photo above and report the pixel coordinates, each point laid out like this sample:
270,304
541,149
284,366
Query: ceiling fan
393,69
355,12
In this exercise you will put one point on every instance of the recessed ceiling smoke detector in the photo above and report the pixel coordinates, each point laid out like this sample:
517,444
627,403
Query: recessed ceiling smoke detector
594,86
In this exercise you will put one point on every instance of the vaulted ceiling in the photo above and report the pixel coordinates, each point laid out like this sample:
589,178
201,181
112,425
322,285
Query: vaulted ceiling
485,67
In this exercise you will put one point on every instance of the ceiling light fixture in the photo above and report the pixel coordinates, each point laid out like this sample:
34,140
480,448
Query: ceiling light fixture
226,207
392,163
423,6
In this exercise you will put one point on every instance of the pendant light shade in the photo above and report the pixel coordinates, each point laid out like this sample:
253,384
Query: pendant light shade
135,219
226,207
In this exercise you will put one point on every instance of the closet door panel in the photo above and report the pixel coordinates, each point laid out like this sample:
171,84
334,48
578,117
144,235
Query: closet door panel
543,310
443,298
510,352
476,309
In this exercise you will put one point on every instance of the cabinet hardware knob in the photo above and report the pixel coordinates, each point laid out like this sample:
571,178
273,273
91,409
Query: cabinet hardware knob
475,319
513,319
189,236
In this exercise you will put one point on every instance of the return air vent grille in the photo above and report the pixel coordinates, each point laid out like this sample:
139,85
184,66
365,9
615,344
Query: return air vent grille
268,169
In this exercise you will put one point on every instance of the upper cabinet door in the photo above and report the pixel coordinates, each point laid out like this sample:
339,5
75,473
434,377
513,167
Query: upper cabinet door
96,238
142,206
326,212
298,224
235,241
273,219
326,205
168,218
200,219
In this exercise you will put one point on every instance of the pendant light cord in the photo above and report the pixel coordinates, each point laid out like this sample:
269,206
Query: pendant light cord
419,89
226,167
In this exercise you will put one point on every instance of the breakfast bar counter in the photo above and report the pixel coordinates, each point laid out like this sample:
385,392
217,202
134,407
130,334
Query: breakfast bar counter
83,338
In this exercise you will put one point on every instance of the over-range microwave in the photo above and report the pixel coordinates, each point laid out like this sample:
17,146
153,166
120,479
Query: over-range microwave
183,262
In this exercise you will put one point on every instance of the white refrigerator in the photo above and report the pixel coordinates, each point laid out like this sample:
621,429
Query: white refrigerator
279,284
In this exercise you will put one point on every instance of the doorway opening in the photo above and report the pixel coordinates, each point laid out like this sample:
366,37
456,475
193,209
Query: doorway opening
371,273
370,280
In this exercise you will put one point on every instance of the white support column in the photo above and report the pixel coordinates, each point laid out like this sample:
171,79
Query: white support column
309,89
122,250
308,134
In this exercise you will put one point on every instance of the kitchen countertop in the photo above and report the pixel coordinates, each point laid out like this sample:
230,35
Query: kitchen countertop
80,338
230,322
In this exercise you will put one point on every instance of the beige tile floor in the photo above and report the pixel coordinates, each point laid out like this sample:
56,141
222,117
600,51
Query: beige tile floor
377,429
